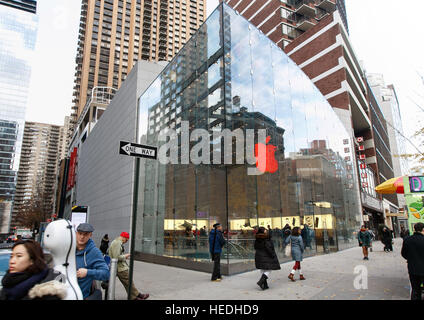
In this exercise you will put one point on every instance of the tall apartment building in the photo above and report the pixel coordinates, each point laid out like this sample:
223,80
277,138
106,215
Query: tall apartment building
64,139
38,167
18,30
113,35
315,36
389,105
326,55
284,20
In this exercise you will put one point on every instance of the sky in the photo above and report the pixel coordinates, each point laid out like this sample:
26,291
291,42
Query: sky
387,38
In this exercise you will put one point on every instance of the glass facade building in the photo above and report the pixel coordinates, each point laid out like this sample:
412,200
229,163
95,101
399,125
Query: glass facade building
230,76
18,30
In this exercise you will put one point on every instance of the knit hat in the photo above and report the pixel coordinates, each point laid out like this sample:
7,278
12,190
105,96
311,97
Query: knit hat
216,225
125,235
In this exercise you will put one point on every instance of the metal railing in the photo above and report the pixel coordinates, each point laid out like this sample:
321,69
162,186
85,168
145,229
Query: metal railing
112,279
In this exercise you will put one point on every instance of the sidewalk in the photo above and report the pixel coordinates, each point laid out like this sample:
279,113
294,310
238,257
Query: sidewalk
328,277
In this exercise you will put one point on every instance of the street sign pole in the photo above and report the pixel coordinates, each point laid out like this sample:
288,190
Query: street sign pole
133,227
140,151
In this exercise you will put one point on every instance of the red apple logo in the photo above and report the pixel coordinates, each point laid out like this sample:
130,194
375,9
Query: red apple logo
265,155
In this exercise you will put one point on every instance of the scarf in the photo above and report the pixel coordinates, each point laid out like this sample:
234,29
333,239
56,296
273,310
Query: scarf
16,285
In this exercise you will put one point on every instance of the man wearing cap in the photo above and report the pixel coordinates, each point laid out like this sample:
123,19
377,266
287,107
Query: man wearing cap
216,242
116,251
90,262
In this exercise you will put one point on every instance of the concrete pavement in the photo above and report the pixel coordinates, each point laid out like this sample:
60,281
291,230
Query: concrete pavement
328,277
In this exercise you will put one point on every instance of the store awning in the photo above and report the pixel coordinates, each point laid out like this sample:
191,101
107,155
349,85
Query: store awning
394,185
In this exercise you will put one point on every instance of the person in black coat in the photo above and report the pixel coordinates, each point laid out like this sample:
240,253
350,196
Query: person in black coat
104,245
387,239
28,277
265,256
413,252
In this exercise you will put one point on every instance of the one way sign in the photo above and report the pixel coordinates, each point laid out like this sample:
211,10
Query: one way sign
137,150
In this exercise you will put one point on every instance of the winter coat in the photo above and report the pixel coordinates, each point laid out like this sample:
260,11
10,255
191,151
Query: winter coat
104,245
306,235
286,232
364,238
91,259
40,286
387,237
116,251
219,241
297,247
413,252
265,257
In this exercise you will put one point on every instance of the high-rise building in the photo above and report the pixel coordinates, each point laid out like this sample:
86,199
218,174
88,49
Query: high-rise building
64,139
113,35
18,31
284,20
389,107
315,35
38,167
328,58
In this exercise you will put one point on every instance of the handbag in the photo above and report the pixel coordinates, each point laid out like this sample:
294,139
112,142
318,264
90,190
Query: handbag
287,250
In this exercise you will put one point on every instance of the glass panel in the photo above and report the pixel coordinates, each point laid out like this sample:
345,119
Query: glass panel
243,85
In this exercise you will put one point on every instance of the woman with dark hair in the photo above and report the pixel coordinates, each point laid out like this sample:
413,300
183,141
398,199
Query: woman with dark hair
104,245
297,249
387,239
28,276
265,257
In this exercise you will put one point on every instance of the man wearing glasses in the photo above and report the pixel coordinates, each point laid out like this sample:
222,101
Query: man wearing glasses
90,263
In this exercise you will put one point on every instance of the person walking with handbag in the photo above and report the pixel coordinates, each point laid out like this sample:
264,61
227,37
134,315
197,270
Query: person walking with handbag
297,248
413,252
216,242
364,239
89,262
266,259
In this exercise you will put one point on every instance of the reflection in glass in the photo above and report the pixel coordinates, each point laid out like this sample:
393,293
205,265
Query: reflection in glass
234,78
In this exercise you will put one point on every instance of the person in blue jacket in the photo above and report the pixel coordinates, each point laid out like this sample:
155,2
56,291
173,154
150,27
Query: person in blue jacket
216,242
90,262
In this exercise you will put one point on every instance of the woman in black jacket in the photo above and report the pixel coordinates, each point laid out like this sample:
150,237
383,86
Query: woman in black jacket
265,257
104,245
387,239
28,277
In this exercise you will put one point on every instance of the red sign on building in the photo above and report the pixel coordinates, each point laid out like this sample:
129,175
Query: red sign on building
72,168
